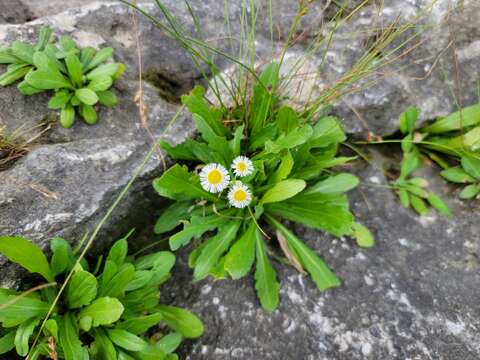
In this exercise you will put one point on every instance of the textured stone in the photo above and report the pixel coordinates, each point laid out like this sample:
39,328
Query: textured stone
14,12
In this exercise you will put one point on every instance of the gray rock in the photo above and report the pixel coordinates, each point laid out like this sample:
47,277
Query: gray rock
413,296
14,12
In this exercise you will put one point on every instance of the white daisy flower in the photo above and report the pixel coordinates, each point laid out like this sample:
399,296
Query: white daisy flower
214,178
242,166
239,195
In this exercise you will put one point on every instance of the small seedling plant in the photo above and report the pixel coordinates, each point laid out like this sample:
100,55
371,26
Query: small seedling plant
413,190
452,143
79,78
111,311
250,170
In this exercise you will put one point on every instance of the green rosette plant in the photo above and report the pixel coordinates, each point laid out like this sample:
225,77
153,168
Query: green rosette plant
110,311
250,169
79,78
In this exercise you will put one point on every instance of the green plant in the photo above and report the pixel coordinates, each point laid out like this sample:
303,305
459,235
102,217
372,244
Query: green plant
107,314
80,78
257,170
412,191
468,172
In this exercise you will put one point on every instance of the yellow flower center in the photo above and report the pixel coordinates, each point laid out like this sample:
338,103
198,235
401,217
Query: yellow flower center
242,167
240,195
215,177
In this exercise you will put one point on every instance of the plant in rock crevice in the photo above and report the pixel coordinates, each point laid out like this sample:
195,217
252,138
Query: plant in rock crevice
80,78
246,174
107,312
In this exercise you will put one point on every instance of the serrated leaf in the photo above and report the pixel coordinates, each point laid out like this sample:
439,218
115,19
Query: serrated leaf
26,254
214,248
283,190
240,258
266,282
103,311
126,340
363,236
81,290
182,321
197,226
171,216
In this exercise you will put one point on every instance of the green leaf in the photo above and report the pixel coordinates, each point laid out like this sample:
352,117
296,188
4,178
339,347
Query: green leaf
408,120
266,282
197,226
141,324
7,342
182,321
404,198
172,216
287,119
81,290
283,190
323,277
100,83
284,169
13,74
118,251
7,57
104,70
43,38
265,134
363,236
169,343
336,184
471,165
239,259
327,131
140,279
215,142
467,117
235,143
295,138
438,204
28,90
324,212
177,180
107,98
86,96
20,309
60,100
51,326
214,248
469,191
118,283
86,56
26,254
47,80
67,116
23,334
88,113
74,68
102,56
163,259
410,162
23,51
103,311
418,204
126,340
263,97
196,104
103,348
68,337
